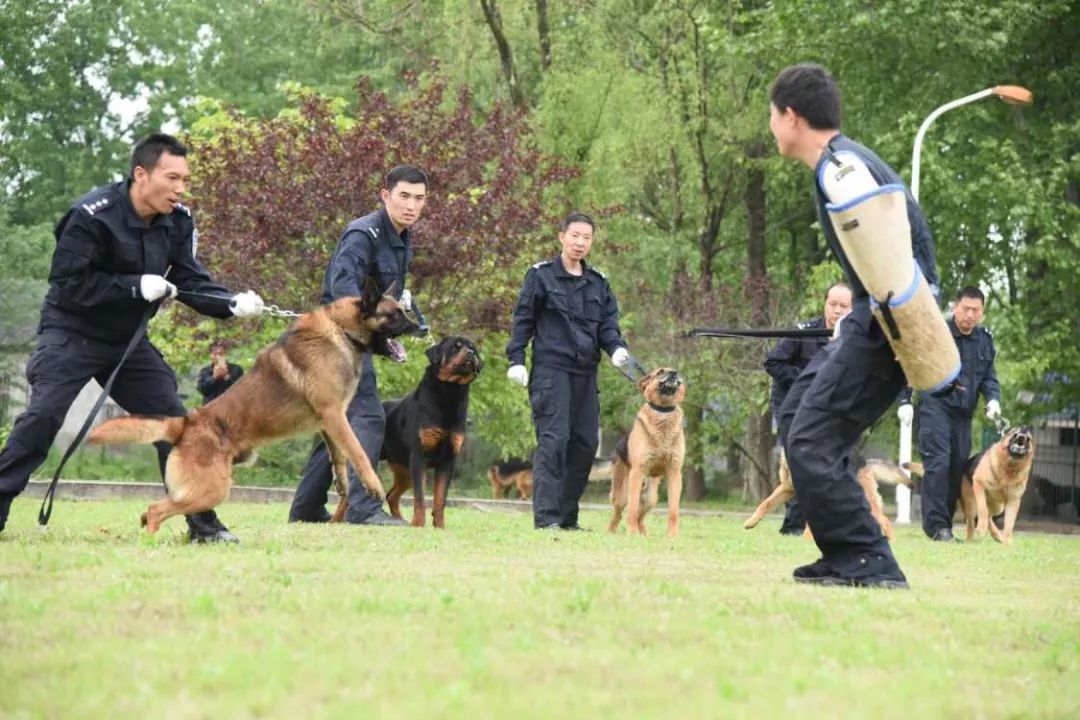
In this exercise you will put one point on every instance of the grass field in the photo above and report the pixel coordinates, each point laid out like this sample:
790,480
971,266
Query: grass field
491,619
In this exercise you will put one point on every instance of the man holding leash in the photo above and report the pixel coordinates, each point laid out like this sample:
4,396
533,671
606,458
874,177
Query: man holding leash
378,246
848,385
945,422
119,248
789,358
566,308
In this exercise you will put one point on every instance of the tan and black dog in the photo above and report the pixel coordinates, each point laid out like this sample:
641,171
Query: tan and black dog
301,383
426,429
506,474
994,481
870,472
654,448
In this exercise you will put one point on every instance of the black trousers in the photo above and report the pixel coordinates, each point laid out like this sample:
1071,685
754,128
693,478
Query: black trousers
368,421
61,364
844,389
945,444
566,416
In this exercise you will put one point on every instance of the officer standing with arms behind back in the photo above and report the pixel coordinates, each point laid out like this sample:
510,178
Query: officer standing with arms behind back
789,358
376,246
945,422
118,248
568,311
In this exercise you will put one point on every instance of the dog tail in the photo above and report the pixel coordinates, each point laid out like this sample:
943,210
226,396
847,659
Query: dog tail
138,429
890,473
915,468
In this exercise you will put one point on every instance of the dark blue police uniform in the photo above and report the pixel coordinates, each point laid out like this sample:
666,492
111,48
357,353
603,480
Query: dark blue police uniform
569,319
369,247
784,363
91,311
210,387
845,388
945,426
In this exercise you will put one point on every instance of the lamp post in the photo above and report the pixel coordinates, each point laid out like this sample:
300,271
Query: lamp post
1014,95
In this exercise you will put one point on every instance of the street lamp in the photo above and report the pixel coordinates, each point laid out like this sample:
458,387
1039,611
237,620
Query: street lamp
1014,95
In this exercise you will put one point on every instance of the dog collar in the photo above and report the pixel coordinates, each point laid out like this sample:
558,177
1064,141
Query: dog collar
661,408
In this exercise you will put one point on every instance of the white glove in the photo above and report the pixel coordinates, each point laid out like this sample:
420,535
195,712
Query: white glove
518,374
406,300
246,304
905,413
620,357
993,409
155,287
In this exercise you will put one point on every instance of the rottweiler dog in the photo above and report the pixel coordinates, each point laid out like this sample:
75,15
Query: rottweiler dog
302,382
426,429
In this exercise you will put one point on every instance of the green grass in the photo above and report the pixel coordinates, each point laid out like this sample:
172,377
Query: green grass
491,619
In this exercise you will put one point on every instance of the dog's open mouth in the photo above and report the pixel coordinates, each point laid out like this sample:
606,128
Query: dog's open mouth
1019,446
395,350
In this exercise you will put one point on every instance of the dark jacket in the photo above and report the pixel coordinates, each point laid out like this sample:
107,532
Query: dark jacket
569,318
210,388
103,248
977,375
369,247
787,360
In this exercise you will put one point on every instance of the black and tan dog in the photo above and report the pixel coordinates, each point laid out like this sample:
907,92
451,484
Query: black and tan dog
654,448
869,474
301,383
426,429
506,474
994,481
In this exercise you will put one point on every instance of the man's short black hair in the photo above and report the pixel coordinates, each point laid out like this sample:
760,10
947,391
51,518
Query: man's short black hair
405,173
577,216
811,91
148,151
971,292
838,283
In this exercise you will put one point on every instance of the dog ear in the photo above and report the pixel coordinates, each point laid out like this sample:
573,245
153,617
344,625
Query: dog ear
479,357
435,353
643,382
390,290
370,299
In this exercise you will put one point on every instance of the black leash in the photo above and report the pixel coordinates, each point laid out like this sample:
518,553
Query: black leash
753,333
47,502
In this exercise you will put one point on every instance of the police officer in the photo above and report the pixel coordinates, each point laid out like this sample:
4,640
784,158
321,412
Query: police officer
568,311
850,383
376,246
118,248
784,363
219,375
945,422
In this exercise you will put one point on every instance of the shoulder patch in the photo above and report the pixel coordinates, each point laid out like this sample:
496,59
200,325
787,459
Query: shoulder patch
373,232
97,204
802,325
597,271
986,330
541,264
194,242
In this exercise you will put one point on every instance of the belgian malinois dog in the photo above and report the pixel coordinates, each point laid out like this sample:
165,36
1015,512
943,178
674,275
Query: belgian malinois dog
301,383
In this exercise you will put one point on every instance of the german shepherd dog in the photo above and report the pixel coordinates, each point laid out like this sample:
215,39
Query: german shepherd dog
506,474
870,472
995,480
427,429
301,383
655,447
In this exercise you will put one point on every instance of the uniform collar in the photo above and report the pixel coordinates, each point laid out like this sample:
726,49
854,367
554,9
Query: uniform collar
123,190
560,270
956,331
391,232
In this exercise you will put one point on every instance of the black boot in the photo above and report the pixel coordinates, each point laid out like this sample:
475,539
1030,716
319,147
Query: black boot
205,527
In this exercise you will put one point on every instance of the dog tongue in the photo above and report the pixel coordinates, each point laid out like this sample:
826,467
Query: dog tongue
397,350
